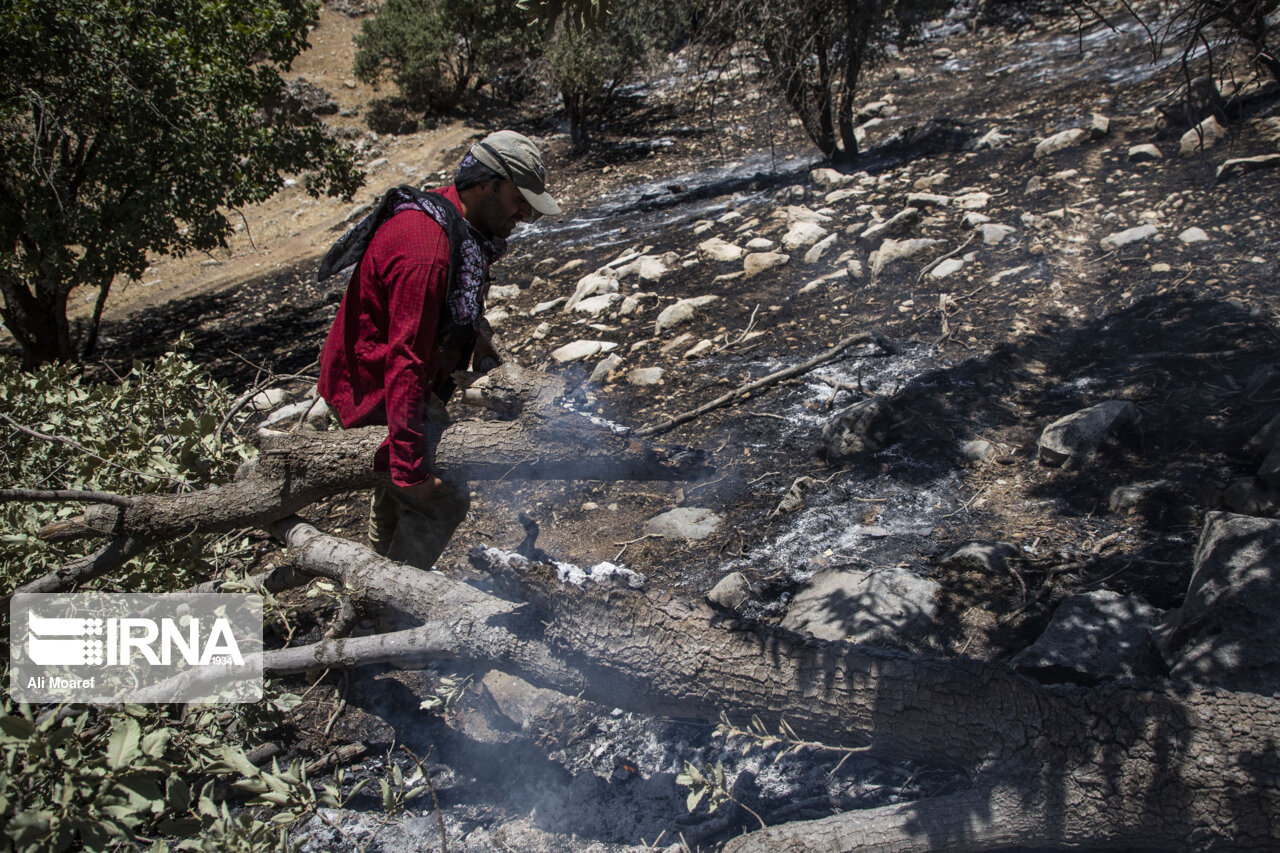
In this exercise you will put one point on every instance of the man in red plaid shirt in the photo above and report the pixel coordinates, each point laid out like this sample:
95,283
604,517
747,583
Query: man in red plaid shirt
413,313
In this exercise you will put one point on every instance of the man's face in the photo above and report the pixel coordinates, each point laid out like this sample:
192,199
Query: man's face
499,209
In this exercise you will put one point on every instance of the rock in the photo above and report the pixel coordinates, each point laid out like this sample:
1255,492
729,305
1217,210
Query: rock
853,268
649,268
973,201
497,316
1226,632
760,244
758,262
817,250
981,555
927,200
1145,154
731,592
904,72
629,305
803,234
605,368
300,101
794,498
898,226
1203,136
544,307
1093,637
1034,185
894,250
541,332
947,267
1250,496
886,606
1125,500
715,249
645,376
1247,164
831,179
679,341
681,312
837,196
973,220
1193,235
977,450
1060,141
683,523
1267,443
579,350
993,234
796,213
596,305
569,266
1075,438
699,349
992,140
599,282
1130,235
502,293
265,401
863,427
1099,126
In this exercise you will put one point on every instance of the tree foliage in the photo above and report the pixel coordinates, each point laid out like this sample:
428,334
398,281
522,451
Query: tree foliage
814,52
156,426
434,49
130,127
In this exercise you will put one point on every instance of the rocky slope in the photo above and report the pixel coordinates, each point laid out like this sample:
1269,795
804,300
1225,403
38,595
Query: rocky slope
1081,281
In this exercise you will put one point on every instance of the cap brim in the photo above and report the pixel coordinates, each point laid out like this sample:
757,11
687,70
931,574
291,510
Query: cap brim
541,202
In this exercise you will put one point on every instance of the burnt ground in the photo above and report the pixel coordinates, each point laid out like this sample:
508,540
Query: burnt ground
1186,332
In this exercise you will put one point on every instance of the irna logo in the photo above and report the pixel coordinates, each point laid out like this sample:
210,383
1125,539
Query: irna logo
79,641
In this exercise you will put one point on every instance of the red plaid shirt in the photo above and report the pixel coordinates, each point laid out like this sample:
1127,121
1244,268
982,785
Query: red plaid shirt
383,354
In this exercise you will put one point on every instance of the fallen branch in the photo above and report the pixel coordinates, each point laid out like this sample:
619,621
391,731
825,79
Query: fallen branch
773,378
112,556
61,495
296,469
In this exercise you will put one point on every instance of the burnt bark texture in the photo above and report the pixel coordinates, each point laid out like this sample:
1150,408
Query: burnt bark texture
1156,765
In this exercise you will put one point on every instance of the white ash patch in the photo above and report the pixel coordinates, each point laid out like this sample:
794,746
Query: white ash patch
606,572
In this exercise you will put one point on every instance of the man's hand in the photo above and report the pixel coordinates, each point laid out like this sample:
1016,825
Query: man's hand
420,492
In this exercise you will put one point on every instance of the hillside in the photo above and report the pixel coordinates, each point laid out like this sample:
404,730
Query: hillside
1022,283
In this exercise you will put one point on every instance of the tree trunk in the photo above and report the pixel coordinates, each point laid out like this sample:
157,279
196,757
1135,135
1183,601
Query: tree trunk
1161,765
37,321
294,470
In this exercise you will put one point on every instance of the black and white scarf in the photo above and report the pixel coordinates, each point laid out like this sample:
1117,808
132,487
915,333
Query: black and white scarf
470,251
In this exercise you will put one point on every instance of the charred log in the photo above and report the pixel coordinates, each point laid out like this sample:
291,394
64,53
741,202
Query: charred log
1162,764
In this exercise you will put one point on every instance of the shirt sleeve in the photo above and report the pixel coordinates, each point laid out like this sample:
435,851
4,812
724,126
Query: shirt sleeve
416,296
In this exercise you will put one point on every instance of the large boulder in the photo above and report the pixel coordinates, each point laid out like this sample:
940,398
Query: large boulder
1227,631
885,606
1093,637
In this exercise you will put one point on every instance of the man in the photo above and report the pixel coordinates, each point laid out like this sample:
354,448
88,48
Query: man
413,313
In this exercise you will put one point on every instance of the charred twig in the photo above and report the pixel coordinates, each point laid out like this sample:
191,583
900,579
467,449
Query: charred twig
773,378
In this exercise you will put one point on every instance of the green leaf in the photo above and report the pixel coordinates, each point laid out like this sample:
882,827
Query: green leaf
19,728
695,797
122,748
178,793
154,743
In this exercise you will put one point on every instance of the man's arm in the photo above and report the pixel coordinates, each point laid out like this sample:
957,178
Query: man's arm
415,299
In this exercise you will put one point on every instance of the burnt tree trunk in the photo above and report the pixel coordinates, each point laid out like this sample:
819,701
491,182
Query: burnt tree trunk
294,470
1162,765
